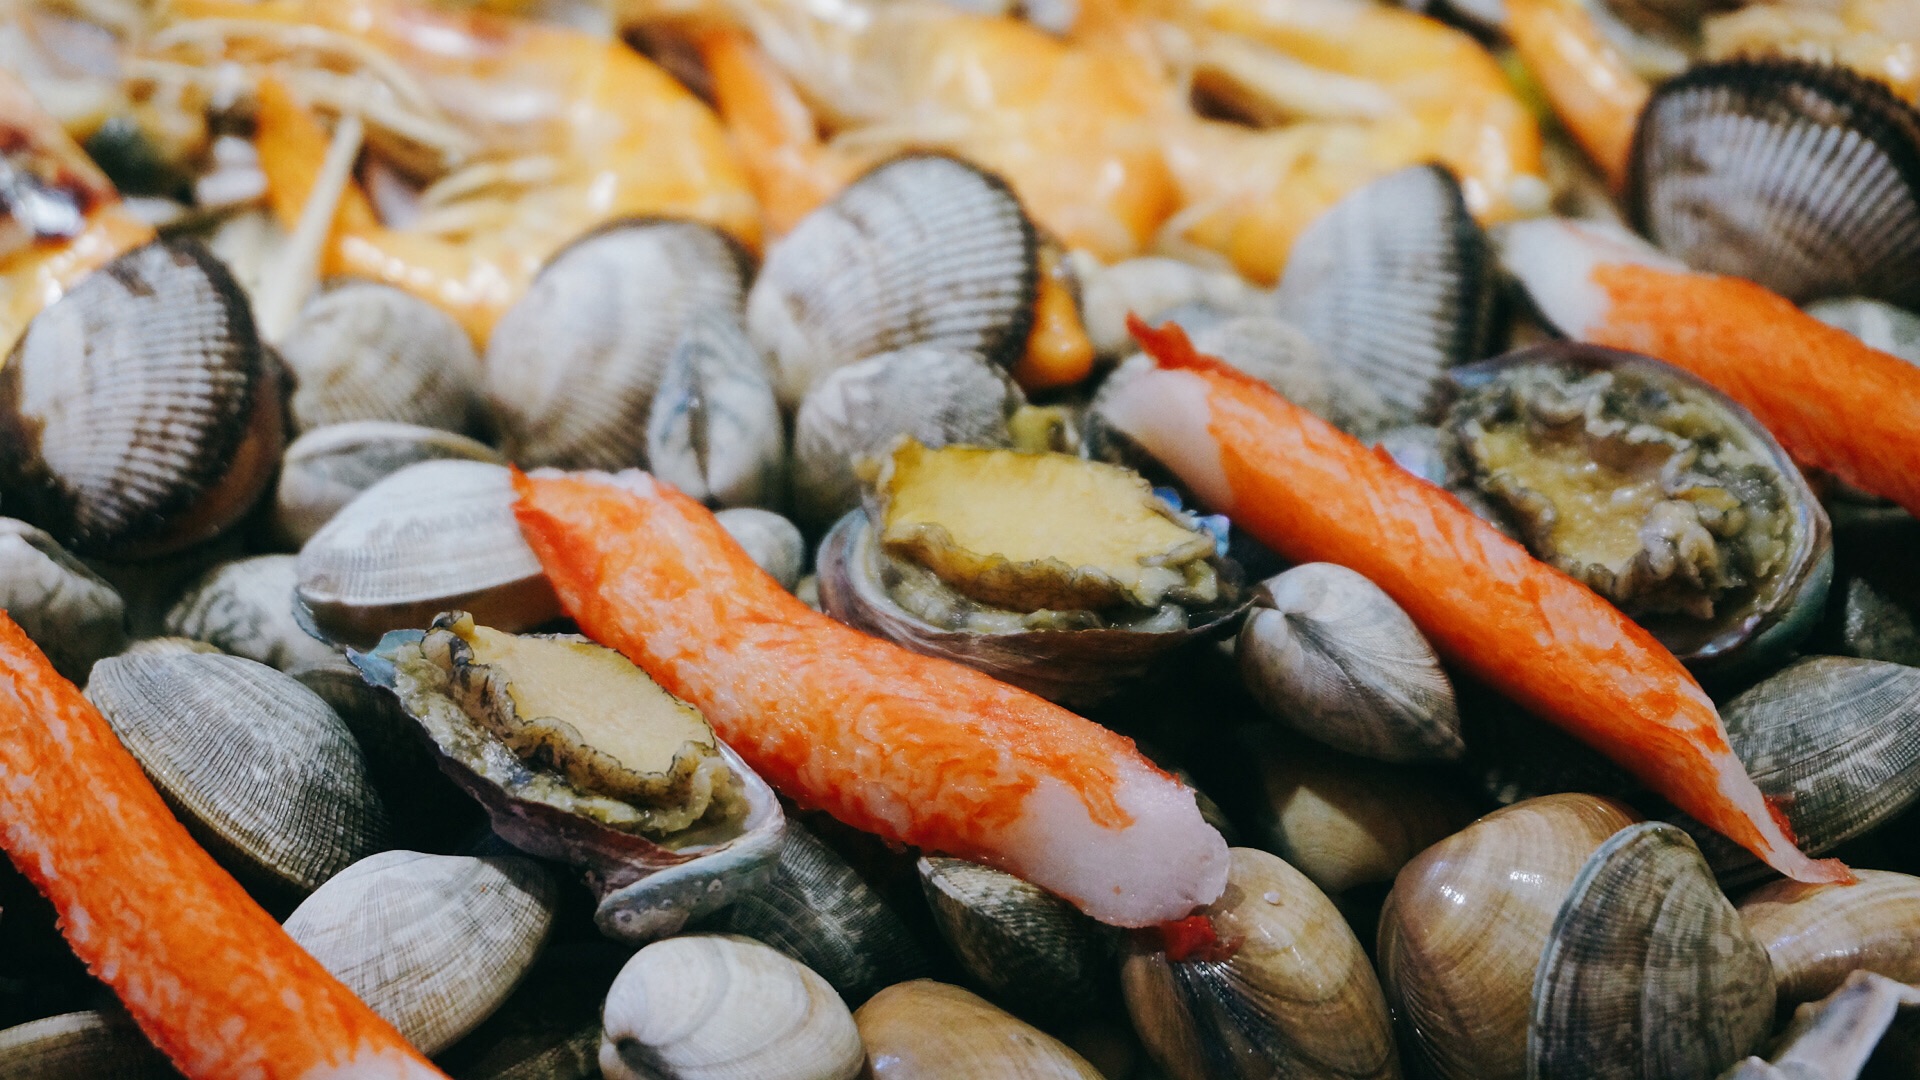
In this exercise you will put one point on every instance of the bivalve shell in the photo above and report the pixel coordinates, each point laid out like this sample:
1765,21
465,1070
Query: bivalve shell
245,608
774,543
68,610
714,430
1837,1037
81,1046
366,351
1816,934
325,468
1032,952
925,1029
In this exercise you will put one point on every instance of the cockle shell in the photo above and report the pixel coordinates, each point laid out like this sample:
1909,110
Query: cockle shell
325,468
1816,934
714,430
81,1046
774,543
366,351
925,1029
245,608
1032,952
68,610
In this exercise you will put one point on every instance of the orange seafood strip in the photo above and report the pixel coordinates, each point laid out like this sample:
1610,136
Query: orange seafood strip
918,750
208,975
1593,91
1315,494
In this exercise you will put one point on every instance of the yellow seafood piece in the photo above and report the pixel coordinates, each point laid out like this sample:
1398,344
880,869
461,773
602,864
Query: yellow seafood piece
1031,531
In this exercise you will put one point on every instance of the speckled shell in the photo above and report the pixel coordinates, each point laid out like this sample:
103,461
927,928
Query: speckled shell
366,351
259,768
1297,998
435,536
774,543
81,1046
1031,952
1815,934
924,1029
324,469
1803,177
433,943
68,610
1648,973
717,1007
140,414
924,250
572,367
714,430
245,607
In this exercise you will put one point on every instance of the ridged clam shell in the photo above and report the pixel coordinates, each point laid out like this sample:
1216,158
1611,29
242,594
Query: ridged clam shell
245,608
68,610
324,469
140,414
435,536
939,397
260,770
717,1007
924,250
1882,326
1033,953
81,1046
432,943
1648,972
171,646
1803,177
366,351
572,367
774,542
1395,283
925,1028
714,430
1815,934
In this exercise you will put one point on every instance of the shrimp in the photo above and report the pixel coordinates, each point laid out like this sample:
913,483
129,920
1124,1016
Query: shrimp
537,133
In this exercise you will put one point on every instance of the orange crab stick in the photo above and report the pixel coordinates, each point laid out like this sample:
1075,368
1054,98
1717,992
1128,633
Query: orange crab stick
1834,403
1314,494
918,750
206,973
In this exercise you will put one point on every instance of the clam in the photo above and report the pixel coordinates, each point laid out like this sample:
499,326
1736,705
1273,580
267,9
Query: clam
433,536
924,250
1882,326
1816,934
1030,951
714,430
937,396
1153,287
1865,621
327,466
572,368
171,646
774,543
1803,177
366,351
1648,972
432,943
1656,491
1329,654
140,414
1285,358
578,756
1834,1038
550,1028
1462,931
259,769
245,608
81,1046
67,609
716,1007
924,1029
1296,998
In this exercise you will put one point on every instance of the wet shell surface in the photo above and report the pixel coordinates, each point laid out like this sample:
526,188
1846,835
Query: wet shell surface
924,250
773,542
432,943
718,1007
1030,951
245,608
714,430
324,469
86,1045
1815,934
1803,177
925,1029
1329,654
258,767
572,368
366,351
1835,1038
68,610
140,414
432,537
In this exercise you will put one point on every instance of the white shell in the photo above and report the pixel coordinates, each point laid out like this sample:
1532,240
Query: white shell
774,542
366,351
326,467
68,610
715,430
245,607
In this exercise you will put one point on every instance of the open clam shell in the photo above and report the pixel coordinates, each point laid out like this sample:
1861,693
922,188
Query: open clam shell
925,1028
140,413
325,468
245,608
81,1046
1803,177
923,250
714,430
432,943
1033,953
1816,934
366,351
68,610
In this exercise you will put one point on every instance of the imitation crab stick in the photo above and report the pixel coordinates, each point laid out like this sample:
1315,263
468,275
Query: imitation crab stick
1834,403
918,750
1314,494
206,973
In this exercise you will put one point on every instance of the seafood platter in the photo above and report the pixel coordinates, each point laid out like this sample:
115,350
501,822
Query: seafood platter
960,539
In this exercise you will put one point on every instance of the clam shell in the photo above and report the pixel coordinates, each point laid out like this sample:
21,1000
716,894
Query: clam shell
937,396
432,943
571,368
81,1046
1297,998
1866,622
140,414
1329,654
256,766
68,610
435,536
924,1028
1154,287
1803,177
1284,357
717,1007
324,469
714,430
1835,1038
550,1028
1395,283
924,250
366,351
774,542
245,608
1030,951
1648,972
1816,934
171,646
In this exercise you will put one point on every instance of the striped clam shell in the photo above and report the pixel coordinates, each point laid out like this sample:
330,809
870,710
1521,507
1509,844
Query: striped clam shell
326,467
1033,953
245,608
140,414
714,430
572,368
74,615
85,1045
366,351
924,250
1800,176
